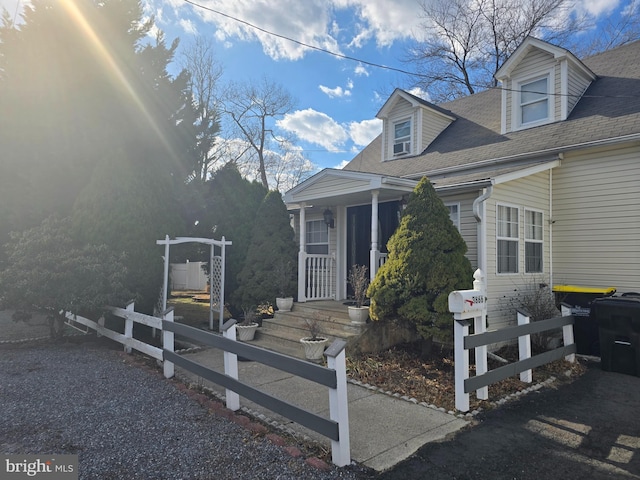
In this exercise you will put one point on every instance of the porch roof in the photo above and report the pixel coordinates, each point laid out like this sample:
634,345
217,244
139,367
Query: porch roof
332,187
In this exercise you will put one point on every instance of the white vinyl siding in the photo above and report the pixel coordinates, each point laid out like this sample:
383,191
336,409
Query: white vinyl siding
432,126
596,230
535,66
531,193
467,224
507,239
577,84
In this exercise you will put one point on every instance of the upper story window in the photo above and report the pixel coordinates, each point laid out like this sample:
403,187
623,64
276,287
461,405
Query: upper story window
402,137
534,102
317,237
507,239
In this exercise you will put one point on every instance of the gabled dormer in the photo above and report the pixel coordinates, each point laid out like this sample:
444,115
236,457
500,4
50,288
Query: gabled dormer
541,83
410,124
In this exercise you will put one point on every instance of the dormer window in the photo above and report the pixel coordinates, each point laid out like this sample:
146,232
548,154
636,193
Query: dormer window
534,101
402,137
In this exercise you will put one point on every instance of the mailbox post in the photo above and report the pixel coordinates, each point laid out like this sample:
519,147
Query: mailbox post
465,305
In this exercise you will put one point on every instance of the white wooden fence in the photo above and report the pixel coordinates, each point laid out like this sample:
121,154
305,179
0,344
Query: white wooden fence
467,304
336,427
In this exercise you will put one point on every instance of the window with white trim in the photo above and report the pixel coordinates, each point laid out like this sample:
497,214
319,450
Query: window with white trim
533,241
402,137
454,213
507,236
317,237
534,102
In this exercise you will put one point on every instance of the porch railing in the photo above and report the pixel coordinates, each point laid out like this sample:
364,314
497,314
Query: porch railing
319,277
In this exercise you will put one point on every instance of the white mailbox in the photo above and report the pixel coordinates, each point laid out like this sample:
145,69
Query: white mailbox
466,304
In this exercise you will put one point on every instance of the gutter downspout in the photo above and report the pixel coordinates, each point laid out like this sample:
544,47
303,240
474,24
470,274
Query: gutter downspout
479,213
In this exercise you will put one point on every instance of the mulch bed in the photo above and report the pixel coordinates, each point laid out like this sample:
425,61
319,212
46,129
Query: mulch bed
402,370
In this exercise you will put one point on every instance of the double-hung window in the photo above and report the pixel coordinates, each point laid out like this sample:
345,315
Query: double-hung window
534,101
402,137
533,241
317,237
454,213
507,239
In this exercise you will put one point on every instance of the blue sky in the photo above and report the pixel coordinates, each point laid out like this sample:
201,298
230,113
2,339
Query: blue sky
336,99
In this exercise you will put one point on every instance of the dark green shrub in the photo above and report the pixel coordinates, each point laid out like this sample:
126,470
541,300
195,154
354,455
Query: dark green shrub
272,247
426,262
48,272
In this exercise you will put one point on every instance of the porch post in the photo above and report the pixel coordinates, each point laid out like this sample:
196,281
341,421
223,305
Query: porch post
373,254
302,255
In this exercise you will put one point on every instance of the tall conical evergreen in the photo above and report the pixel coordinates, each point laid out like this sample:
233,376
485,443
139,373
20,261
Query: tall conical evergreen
272,246
426,262
232,204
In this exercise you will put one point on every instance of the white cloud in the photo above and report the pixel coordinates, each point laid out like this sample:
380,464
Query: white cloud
420,93
598,7
361,70
308,22
315,127
337,92
342,164
188,26
362,133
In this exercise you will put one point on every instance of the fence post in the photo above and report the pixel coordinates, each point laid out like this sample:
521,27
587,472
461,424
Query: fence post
524,346
231,365
128,326
480,326
168,343
461,363
567,334
338,403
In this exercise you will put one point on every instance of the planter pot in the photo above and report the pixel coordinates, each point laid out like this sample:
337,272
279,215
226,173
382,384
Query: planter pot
246,333
358,315
313,349
284,304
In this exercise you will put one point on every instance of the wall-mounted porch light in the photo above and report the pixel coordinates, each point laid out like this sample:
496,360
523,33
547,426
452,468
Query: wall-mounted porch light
328,218
403,202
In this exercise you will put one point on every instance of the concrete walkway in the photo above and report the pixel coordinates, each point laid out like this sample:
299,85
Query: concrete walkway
384,430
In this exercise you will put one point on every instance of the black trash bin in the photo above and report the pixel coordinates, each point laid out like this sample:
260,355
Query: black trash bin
618,321
578,299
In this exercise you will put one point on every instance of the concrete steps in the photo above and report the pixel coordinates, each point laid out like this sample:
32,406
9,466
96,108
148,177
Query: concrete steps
283,332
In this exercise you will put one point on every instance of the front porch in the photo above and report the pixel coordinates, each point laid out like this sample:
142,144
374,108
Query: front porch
341,219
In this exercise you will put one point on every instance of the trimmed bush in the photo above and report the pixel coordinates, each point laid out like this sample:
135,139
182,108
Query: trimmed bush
426,262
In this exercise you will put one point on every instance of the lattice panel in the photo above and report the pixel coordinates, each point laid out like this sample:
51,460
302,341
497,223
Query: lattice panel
216,281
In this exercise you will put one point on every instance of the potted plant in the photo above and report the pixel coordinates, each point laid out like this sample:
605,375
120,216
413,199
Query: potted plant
246,329
284,276
359,280
314,343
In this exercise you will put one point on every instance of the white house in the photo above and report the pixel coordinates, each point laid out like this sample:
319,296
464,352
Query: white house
541,175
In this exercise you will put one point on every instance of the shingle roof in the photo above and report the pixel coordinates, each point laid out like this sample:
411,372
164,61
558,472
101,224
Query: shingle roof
610,108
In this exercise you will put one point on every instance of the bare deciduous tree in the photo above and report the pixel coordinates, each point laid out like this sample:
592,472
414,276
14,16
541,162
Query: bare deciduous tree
466,42
254,108
199,60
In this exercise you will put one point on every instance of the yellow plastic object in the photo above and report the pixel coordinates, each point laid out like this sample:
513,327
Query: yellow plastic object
581,289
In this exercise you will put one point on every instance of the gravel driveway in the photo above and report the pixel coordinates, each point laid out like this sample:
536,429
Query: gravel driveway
125,422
